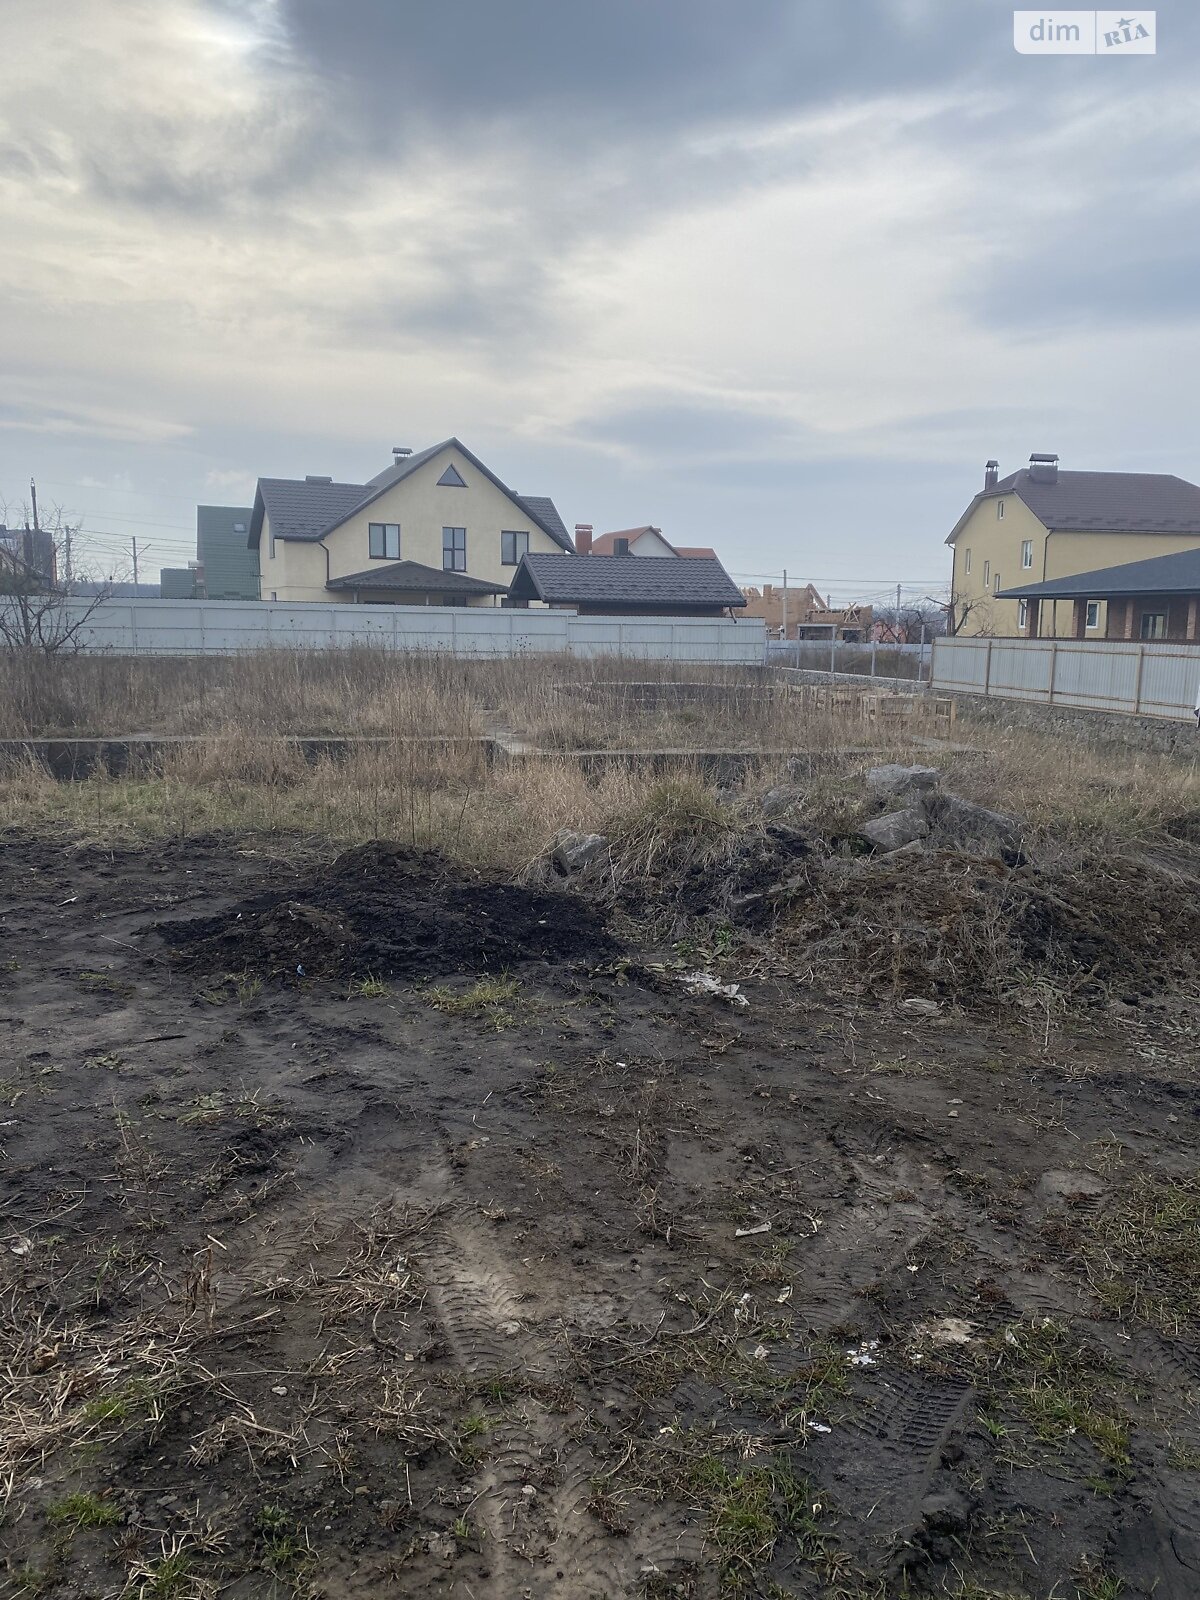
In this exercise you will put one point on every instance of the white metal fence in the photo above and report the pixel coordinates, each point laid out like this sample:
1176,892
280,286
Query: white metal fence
869,660
1148,680
214,627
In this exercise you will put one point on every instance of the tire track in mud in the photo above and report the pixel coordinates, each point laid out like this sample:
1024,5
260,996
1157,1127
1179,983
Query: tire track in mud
896,1450
537,1486
868,1239
540,1543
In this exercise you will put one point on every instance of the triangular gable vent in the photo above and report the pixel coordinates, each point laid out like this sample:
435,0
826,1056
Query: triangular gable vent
452,478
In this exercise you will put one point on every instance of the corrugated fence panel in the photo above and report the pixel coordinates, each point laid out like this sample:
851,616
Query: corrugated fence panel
1153,680
1021,675
1100,677
960,664
1170,681
215,627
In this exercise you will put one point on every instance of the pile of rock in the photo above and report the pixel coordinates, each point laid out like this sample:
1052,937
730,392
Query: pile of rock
932,818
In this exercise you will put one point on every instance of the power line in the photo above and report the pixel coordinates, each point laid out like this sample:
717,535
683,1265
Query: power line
143,522
873,582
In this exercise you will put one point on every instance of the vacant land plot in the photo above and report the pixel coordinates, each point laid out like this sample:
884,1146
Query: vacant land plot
741,1215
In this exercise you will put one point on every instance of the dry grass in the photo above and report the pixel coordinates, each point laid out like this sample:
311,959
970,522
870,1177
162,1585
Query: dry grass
361,691
242,773
444,799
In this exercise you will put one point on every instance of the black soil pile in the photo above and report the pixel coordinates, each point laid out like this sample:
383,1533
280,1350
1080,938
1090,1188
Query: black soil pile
383,910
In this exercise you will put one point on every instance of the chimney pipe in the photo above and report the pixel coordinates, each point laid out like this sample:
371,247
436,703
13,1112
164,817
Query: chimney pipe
991,474
583,538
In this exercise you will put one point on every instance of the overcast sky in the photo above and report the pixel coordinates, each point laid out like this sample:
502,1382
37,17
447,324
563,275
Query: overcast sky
777,277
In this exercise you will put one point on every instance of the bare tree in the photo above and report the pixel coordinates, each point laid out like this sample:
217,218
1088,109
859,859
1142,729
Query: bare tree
960,607
38,612
914,621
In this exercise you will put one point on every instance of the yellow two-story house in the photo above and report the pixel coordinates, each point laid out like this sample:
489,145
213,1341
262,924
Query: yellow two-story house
434,528
1040,524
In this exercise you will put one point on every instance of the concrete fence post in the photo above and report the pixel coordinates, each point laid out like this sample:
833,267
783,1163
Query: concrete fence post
1137,682
987,669
1052,671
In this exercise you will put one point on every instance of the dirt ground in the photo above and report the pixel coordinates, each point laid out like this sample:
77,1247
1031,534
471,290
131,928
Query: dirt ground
481,1258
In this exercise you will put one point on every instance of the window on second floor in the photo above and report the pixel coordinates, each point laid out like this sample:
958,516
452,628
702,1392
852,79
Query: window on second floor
1000,510
512,547
996,584
1093,614
967,562
987,573
384,541
454,549
1027,553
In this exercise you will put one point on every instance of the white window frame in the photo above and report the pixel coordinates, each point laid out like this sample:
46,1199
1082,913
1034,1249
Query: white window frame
999,510
1091,617
389,541
987,573
996,584
453,551
1027,555
967,562
1022,614
518,549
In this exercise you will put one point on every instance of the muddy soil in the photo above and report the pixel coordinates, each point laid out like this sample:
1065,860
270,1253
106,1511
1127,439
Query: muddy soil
589,1287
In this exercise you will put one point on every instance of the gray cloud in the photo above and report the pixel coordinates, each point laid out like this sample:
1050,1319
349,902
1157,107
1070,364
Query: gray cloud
580,70
744,272
673,433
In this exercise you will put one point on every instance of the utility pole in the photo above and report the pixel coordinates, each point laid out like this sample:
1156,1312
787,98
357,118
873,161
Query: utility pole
133,541
67,533
785,603
33,497
898,586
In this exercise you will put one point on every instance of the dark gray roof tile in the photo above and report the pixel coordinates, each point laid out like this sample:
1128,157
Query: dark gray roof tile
1177,574
301,510
648,581
542,509
414,575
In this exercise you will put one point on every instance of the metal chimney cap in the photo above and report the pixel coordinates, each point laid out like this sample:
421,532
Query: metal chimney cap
311,479
1046,458
399,450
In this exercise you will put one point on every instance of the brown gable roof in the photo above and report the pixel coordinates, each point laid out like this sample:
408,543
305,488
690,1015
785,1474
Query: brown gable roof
1101,502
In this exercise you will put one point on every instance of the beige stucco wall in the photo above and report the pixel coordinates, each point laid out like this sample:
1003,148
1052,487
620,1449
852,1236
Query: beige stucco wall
422,508
295,571
995,543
